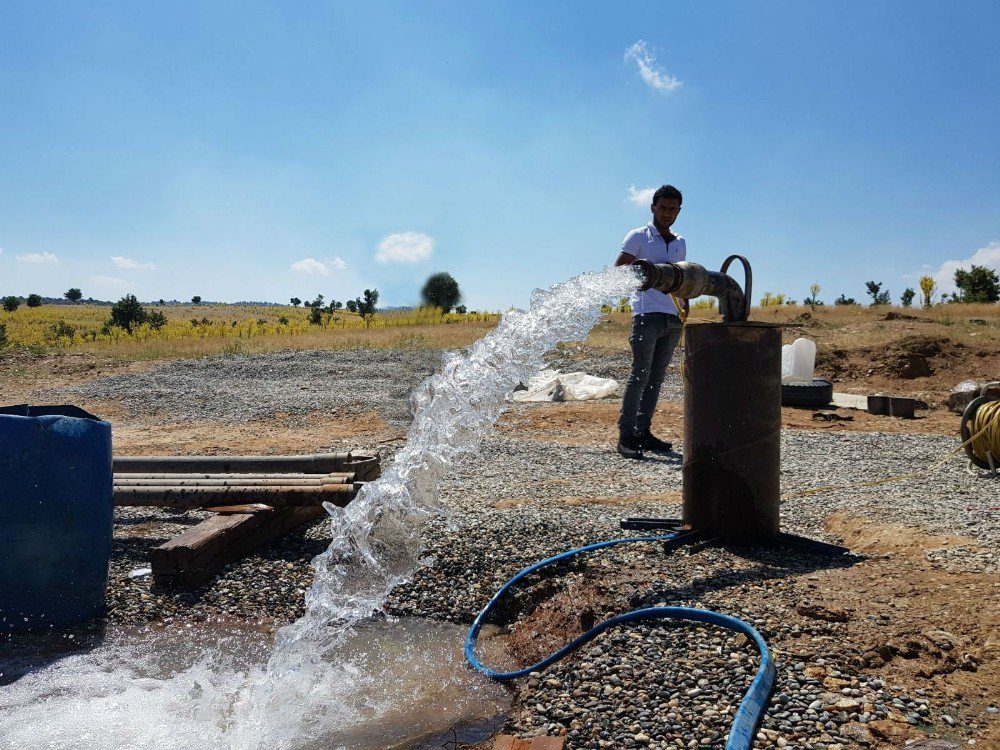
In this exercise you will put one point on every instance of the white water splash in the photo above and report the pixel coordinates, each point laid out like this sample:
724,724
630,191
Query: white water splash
377,537
187,688
330,682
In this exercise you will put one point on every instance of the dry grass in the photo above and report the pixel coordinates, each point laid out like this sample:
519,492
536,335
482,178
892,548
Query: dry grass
203,330
236,329
411,337
851,326
845,326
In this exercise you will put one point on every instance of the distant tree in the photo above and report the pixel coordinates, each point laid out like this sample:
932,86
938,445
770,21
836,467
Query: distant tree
461,309
295,301
927,286
769,299
196,300
127,313
162,302
352,305
156,320
441,290
11,303
366,306
334,306
318,302
315,315
63,329
790,302
878,297
73,294
980,284
33,300
811,299
907,297
844,300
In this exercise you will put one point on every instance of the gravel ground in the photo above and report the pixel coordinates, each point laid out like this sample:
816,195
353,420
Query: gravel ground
248,388
350,381
643,686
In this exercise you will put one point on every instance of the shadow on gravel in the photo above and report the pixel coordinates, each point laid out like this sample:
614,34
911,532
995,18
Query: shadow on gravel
772,563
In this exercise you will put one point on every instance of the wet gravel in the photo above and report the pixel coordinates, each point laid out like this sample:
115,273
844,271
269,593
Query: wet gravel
657,686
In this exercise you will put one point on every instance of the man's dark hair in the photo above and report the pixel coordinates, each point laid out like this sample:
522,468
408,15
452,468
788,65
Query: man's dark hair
668,191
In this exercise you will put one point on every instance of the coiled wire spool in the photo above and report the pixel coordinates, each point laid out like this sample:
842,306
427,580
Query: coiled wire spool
981,429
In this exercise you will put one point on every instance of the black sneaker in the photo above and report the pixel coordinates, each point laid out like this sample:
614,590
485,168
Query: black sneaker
630,447
650,442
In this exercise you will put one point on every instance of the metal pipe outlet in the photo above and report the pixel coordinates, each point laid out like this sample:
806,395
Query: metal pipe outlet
690,280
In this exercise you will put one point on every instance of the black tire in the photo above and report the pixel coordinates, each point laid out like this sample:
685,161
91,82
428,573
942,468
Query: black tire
817,393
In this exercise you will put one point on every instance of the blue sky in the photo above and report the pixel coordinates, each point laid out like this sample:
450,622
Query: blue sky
261,150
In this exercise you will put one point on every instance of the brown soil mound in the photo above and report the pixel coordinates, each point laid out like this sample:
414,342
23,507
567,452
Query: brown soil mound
906,358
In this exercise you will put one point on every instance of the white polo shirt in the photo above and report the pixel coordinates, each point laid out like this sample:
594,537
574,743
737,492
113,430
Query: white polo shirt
646,243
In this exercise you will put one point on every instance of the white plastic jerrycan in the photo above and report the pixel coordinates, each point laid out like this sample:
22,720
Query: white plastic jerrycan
798,361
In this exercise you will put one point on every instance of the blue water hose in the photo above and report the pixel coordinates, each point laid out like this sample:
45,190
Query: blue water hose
751,710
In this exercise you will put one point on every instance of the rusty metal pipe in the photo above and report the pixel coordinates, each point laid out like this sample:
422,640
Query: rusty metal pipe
690,280
732,431
130,476
196,497
167,481
320,463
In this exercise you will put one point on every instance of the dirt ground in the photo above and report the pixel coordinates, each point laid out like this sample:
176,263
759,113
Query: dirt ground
905,620
941,633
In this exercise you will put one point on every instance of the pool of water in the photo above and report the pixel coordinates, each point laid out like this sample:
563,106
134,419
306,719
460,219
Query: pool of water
393,684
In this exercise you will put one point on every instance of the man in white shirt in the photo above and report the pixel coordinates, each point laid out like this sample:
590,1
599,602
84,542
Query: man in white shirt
656,327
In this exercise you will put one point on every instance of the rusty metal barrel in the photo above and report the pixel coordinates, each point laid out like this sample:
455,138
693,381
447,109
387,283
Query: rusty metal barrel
732,430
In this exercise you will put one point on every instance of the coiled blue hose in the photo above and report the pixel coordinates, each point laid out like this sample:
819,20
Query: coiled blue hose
751,710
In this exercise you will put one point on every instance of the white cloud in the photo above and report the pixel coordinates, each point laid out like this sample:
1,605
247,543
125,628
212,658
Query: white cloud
109,283
654,77
988,256
310,266
405,247
338,264
641,196
129,264
38,258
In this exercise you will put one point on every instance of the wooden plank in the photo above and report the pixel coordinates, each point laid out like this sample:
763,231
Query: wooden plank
510,742
196,555
248,508
208,537
366,468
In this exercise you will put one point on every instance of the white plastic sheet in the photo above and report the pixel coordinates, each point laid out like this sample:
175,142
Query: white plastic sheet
552,385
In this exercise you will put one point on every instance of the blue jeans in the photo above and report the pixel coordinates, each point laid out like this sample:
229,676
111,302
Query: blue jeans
654,337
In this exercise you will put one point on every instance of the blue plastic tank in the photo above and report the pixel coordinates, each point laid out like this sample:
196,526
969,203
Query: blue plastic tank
56,516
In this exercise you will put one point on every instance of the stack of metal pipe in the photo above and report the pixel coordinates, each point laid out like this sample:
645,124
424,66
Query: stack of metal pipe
197,481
